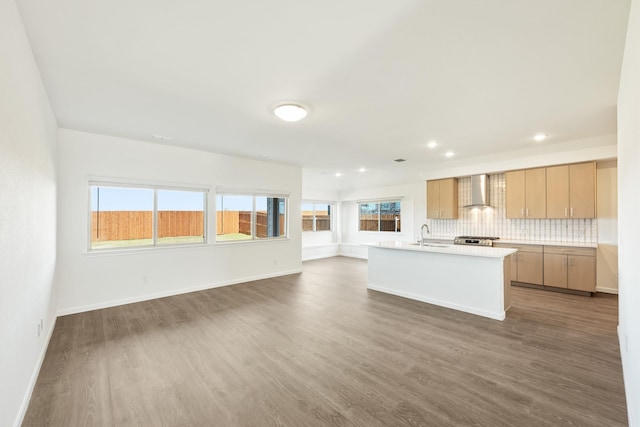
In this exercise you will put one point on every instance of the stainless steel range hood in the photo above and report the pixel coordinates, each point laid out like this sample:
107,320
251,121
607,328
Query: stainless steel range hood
479,191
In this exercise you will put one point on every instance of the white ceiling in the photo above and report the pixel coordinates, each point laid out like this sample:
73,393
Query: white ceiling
381,78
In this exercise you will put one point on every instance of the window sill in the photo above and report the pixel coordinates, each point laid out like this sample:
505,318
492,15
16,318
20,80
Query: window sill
143,249
250,241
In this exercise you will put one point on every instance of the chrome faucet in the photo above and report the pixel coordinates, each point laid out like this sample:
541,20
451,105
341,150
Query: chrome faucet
422,234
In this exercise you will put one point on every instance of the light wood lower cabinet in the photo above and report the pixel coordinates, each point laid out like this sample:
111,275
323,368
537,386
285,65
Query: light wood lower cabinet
526,264
554,266
570,268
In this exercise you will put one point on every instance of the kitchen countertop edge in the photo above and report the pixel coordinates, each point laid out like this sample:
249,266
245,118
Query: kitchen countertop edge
477,251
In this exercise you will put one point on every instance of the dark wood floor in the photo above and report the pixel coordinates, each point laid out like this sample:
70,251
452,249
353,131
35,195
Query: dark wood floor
318,348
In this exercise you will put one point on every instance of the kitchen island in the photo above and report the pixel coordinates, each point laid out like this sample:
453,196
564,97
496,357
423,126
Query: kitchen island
472,279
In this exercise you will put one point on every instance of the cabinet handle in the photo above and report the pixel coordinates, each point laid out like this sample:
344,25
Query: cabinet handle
527,211
572,212
522,212
565,211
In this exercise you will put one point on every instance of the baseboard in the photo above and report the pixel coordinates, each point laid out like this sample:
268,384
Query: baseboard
34,376
484,313
353,256
311,258
147,297
624,358
319,251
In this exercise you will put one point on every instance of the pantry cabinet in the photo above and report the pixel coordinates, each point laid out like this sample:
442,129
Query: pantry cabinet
442,199
526,193
570,268
571,191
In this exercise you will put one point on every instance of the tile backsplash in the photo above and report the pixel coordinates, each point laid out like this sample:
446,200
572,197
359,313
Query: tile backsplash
491,221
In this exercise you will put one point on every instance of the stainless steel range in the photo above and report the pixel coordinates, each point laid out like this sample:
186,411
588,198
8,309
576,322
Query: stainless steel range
474,240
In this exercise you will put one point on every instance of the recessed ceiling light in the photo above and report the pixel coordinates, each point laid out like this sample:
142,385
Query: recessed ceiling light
338,174
362,170
290,112
432,144
540,137
449,154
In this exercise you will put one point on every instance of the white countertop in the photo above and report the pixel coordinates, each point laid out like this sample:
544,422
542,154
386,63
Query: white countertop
433,237
478,251
524,242
548,243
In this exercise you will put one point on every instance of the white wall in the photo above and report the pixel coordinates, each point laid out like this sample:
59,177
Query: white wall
607,207
93,280
628,210
322,244
27,217
545,154
413,213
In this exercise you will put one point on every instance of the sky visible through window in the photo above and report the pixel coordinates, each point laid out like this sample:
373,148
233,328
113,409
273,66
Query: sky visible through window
141,199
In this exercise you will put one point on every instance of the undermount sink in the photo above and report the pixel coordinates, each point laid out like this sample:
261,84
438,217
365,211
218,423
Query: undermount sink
430,245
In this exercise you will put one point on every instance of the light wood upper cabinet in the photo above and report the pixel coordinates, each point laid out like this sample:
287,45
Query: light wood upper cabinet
582,190
526,193
571,191
442,198
433,199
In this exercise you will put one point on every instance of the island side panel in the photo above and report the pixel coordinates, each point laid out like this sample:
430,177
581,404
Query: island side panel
467,283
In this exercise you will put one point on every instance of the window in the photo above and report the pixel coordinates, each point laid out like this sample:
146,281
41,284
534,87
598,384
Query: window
250,217
125,216
379,216
316,216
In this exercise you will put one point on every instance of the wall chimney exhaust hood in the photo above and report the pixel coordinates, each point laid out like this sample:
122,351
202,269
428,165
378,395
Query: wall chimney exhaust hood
479,189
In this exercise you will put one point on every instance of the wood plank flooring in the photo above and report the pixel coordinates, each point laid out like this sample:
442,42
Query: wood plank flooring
319,349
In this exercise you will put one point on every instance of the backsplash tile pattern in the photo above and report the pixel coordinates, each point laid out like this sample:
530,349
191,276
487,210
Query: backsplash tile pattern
491,221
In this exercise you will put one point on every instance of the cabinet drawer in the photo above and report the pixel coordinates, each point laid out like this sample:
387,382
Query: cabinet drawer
520,248
569,250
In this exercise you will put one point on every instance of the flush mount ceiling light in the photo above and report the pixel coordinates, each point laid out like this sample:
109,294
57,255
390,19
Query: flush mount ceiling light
432,144
362,170
338,174
540,137
290,112
449,154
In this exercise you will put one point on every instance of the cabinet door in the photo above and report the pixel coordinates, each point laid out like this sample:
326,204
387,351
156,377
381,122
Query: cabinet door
558,192
582,190
530,267
433,199
582,273
449,198
514,194
555,270
536,193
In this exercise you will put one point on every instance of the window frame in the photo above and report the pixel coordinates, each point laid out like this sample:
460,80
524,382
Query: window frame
154,214
379,203
254,215
331,215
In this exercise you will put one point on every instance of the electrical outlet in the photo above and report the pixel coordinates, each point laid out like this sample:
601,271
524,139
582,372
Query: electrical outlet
626,343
